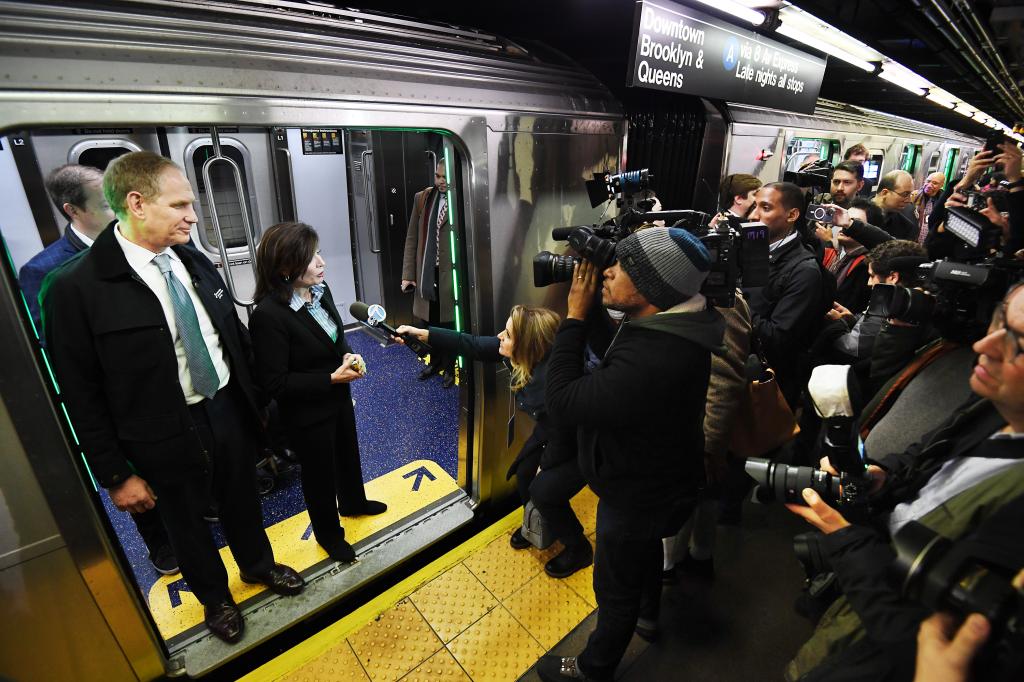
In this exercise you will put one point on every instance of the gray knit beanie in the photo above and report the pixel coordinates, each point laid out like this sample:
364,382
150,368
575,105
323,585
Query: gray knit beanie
667,264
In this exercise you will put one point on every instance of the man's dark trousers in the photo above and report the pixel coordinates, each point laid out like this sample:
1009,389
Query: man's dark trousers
627,577
224,430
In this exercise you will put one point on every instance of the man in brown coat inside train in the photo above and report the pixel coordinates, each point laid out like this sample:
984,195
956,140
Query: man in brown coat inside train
427,266
153,365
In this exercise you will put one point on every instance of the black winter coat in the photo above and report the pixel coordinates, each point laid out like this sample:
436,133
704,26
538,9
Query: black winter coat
114,359
641,412
788,312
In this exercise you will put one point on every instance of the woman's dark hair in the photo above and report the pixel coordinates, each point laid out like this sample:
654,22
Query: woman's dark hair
284,253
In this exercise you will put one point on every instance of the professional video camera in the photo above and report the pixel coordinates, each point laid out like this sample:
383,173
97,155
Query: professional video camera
949,577
956,297
817,177
735,248
835,395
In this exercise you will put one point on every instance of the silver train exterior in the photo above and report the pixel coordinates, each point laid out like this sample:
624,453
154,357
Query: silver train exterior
524,131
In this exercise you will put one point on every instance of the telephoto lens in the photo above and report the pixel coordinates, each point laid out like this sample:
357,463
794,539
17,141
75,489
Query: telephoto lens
550,268
777,481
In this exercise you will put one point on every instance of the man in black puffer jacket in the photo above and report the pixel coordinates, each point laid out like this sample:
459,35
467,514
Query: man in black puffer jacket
640,417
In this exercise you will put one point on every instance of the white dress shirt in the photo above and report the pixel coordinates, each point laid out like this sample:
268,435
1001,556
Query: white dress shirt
85,240
141,260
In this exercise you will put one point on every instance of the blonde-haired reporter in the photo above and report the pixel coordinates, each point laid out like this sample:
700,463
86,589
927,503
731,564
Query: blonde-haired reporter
546,469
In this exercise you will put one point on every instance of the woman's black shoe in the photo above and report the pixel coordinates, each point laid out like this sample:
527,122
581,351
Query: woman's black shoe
342,552
368,508
517,540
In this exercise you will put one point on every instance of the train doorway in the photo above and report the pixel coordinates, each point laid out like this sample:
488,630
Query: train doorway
414,435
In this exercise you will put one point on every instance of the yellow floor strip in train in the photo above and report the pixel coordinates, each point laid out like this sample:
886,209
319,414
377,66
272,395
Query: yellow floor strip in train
406,490
482,612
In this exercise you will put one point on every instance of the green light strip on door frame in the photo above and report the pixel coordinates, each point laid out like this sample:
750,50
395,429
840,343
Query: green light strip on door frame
49,369
451,243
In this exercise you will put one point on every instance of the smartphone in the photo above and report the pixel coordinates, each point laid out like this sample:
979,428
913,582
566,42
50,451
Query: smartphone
822,214
993,141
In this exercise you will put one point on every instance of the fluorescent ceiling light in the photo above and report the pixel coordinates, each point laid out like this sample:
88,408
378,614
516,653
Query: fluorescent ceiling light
737,10
978,116
799,35
903,77
939,100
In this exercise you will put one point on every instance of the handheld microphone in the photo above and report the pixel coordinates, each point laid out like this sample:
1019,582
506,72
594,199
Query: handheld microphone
374,315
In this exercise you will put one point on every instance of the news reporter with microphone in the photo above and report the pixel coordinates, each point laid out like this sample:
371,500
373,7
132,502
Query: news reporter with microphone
304,362
546,469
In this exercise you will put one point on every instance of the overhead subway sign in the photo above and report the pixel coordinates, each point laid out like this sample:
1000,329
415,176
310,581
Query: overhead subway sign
678,49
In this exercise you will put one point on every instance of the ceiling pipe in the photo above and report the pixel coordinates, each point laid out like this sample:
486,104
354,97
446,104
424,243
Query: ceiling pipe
988,45
948,28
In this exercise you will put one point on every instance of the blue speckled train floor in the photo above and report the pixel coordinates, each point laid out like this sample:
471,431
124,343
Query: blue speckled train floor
399,419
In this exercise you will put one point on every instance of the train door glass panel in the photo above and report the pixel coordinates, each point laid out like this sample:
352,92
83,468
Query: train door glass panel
951,158
228,203
909,157
933,162
99,153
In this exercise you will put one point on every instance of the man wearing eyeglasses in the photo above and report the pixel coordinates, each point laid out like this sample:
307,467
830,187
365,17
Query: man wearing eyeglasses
893,197
954,479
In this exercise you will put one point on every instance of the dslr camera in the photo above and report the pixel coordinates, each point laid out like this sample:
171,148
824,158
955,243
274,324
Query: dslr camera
944,576
836,397
736,249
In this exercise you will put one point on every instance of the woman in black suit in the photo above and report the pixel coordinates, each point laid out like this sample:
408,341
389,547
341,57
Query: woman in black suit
303,362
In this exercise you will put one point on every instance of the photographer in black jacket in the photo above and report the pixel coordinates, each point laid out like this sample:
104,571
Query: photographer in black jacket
640,416
955,478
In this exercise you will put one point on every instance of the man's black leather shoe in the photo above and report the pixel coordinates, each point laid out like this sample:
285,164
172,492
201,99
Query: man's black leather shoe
225,620
570,560
280,579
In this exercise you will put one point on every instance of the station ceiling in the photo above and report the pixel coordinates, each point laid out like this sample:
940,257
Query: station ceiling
596,33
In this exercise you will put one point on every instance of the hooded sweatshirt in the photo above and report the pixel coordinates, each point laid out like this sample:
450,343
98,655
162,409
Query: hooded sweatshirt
640,413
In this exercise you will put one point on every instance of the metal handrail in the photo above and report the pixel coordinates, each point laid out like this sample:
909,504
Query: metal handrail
433,167
374,237
291,177
215,220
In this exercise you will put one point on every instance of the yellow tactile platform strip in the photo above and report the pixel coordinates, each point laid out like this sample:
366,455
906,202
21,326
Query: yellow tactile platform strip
483,612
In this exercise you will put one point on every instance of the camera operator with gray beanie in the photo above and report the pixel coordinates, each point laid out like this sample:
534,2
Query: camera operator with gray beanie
640,419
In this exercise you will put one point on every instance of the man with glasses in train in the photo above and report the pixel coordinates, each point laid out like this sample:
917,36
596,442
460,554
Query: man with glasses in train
893,197
640,416
153,365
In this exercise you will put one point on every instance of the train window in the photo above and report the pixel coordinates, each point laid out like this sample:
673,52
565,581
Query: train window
951,158
910,157
933,162
802,151
99,153
228,203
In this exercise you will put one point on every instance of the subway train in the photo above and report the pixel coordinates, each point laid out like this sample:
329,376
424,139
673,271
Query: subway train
280,111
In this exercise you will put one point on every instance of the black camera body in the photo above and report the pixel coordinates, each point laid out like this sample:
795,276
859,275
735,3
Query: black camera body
821,214
944,576
956,297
